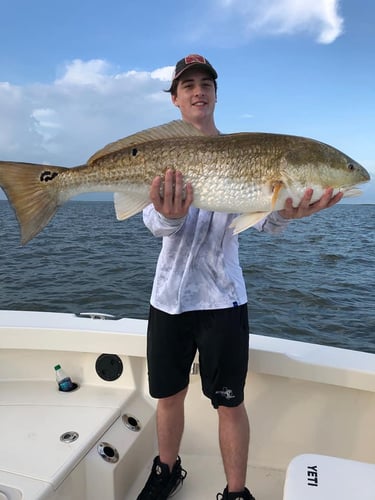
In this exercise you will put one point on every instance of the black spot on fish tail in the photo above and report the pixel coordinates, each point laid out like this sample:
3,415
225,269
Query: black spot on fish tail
47,175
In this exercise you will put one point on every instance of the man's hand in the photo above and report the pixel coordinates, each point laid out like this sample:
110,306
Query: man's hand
173,201
306,208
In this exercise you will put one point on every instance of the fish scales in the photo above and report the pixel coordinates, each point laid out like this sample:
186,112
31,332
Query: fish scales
244,173
198,159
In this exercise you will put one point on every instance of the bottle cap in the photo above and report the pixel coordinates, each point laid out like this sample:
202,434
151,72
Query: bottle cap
57,367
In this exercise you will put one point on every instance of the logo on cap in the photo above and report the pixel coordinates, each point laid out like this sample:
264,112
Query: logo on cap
195,58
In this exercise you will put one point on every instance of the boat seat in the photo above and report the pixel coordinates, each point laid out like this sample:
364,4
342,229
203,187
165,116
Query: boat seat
320,477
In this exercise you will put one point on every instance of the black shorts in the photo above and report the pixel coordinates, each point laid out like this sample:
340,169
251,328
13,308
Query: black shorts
221,337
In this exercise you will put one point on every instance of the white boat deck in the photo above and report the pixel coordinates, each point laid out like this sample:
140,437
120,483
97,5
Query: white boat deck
301,398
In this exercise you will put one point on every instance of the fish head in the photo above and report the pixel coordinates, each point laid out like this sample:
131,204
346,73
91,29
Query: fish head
313,163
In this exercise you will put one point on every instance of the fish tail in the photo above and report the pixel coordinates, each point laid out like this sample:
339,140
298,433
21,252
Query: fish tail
33,194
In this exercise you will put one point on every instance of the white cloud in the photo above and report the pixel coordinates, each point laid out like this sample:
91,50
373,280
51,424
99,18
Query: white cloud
163,74
320,18
89,105
84,73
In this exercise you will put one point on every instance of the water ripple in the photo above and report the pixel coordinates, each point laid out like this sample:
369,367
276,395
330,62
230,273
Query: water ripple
315,282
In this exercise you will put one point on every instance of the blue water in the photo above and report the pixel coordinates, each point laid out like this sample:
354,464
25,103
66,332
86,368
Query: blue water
315,282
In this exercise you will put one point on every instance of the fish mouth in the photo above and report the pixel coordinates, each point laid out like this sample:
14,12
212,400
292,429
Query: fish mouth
365,176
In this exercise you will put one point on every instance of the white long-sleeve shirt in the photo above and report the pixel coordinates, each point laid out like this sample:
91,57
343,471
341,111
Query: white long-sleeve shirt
198,266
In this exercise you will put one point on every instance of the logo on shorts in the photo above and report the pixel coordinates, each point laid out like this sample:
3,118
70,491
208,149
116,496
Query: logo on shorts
226,393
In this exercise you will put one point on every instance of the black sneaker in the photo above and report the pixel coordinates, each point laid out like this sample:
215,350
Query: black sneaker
238,495
162,483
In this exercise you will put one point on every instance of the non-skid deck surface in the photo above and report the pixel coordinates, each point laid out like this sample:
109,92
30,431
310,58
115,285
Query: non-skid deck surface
205,478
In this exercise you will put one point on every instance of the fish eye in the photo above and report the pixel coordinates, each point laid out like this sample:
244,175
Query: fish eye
350,166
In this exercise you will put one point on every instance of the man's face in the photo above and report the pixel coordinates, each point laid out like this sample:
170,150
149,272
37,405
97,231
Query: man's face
196,95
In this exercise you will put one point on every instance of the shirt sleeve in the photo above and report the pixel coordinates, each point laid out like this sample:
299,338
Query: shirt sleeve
274,223
158,224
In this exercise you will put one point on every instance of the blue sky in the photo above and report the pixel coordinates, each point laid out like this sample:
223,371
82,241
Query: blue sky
77,75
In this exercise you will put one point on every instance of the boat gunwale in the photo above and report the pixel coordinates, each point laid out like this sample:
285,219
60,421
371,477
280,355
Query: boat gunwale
30,330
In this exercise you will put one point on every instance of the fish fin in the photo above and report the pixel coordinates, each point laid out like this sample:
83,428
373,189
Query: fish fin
352,192
276,188
244,221
171,130
127,204
31,191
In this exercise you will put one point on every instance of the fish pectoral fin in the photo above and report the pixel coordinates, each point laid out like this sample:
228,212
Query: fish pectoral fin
352,192
245,221
127,204
276,188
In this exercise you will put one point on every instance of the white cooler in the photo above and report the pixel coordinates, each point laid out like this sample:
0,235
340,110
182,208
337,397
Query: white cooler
320,477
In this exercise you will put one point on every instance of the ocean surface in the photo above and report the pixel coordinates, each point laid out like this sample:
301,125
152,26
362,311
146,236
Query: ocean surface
315,282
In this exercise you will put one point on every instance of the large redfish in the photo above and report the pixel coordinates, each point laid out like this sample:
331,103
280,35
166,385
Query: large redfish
250,174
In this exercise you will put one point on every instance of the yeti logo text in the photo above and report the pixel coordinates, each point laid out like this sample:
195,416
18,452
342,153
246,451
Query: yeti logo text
312,475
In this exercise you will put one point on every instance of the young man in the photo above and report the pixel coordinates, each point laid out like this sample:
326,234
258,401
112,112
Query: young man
199,302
